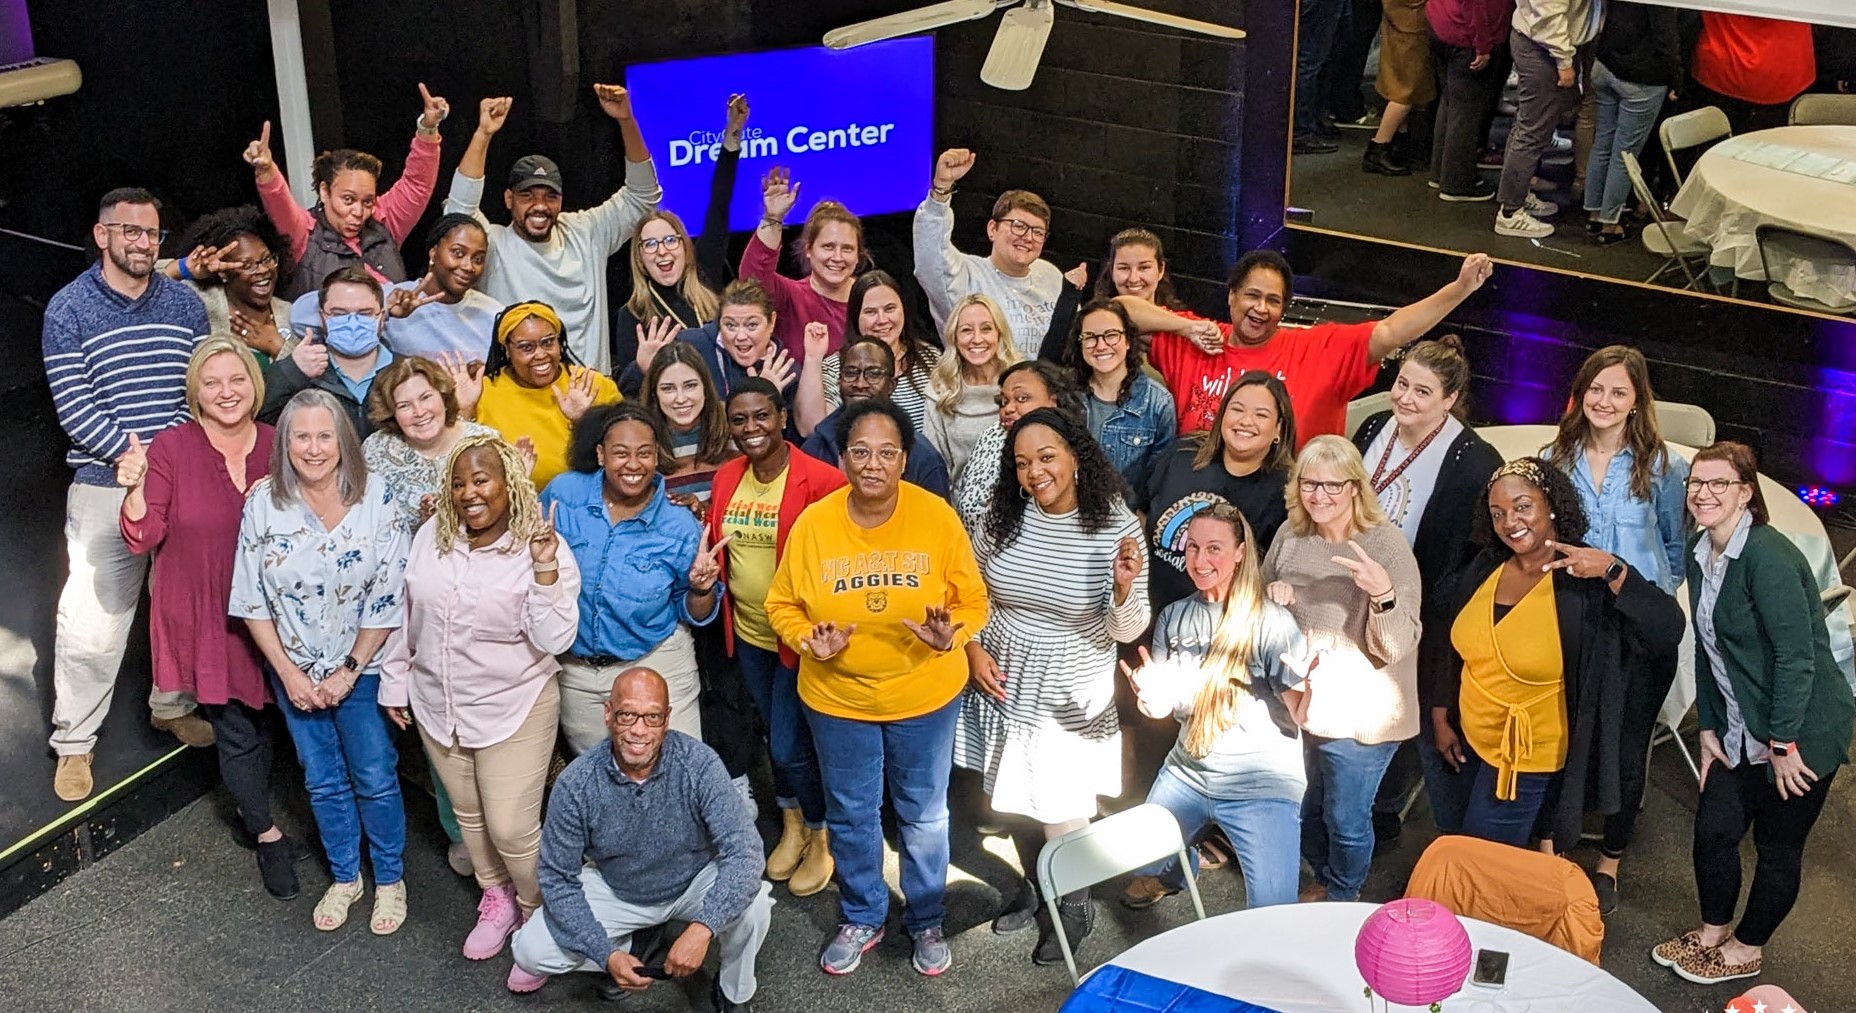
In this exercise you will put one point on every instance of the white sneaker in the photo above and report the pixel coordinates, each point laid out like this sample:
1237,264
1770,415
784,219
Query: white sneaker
1540,208
1521,224
1559,145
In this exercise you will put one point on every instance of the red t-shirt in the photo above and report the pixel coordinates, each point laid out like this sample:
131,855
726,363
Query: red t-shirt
1323,366
1759,60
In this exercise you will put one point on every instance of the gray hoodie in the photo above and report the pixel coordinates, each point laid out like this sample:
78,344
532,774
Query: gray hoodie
1561,26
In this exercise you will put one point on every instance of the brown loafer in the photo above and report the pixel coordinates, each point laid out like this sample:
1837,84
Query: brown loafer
191,729
72,781
1144,892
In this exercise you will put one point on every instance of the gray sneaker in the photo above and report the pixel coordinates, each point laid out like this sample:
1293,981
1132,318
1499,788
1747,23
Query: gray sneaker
846,949
931,953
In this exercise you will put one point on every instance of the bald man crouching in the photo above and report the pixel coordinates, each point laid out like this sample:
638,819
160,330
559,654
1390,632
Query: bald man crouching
649,832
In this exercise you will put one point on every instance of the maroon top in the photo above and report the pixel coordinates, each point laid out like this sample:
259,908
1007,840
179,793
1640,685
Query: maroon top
192,528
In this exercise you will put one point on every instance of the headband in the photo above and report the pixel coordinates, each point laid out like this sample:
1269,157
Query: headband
513,317
1528,468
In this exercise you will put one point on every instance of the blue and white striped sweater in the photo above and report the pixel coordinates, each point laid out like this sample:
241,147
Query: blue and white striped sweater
118,366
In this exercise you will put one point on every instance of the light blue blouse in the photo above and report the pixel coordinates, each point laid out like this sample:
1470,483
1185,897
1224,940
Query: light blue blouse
1648,535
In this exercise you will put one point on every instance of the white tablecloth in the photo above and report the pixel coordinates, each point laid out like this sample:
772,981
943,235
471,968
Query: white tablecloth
1298,958
1789,514
1725,198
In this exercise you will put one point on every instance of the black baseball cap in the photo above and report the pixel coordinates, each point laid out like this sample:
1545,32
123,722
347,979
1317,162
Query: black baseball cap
535,170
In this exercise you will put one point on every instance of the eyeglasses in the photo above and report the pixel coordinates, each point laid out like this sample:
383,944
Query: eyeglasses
1309,487
669,244
1021,228
1109,338
626,719
260,265
136,233
1717,486
860,454
334,315
875,374
547,344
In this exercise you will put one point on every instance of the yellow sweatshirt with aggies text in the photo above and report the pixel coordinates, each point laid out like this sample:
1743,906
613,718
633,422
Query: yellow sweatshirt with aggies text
874,578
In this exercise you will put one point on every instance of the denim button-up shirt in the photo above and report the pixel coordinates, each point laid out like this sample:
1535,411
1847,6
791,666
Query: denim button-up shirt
634,574
1648,535
1137,432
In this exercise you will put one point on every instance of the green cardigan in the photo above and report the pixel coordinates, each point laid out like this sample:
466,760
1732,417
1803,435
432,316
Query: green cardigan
1769,627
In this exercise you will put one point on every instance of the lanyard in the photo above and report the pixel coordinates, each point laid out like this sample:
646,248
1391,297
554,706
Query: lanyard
1380,484
665,306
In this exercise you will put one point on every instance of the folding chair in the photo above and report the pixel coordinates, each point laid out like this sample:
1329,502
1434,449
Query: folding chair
1823,109
1667,239
1691,129
1107,848
1826,254
1687,424
1362,408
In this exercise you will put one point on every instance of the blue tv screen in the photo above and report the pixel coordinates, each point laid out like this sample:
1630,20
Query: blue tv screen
853,125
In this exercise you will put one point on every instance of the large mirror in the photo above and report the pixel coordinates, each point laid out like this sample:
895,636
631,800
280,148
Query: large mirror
1701,150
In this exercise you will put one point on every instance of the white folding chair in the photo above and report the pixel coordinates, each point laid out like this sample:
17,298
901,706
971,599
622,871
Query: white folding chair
1819,108
1687,424
1690,129
1105,849
1823,256
1362,408
1667,239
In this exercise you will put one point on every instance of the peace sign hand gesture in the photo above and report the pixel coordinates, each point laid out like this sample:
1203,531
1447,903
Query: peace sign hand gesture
132,465
401,302
577,396
258,156
205,261
1368,575
545,544
1580,560
707,567
435,111
939,629
778,193
1129,558
827,639
1134,674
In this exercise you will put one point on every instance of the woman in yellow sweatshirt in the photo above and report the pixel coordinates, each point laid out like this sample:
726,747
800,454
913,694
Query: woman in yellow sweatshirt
879,593
532,387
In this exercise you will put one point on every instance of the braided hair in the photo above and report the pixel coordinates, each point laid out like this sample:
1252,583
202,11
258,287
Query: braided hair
1098,485
525,517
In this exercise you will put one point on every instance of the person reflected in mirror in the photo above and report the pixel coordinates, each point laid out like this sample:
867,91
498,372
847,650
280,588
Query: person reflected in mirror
1552,43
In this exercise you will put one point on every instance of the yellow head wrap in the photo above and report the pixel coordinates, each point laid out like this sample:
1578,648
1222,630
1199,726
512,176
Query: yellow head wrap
511,318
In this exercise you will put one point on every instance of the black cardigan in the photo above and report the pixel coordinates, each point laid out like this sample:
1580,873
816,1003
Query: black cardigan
1442,546
1594,628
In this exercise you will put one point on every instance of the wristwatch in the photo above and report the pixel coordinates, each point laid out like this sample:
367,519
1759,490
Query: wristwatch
1614,571
349,663
1386,604
1782,748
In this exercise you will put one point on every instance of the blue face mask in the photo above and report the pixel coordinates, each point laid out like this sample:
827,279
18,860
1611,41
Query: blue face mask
352,335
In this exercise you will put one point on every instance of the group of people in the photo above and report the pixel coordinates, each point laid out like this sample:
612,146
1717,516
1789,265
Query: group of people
486,511
1610,65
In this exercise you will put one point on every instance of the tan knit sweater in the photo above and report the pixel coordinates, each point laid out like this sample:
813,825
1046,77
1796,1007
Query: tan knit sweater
1366,685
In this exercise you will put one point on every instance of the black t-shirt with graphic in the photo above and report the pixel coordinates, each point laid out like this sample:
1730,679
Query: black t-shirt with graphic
1175,492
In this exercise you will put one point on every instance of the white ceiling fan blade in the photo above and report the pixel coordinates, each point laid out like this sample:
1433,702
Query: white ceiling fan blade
921,19
1154,17
1019,45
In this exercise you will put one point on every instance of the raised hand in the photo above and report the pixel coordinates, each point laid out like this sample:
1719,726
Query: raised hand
545,544
402,301
525,449
466,380
1475,270
707,567
737,117
938,630
491,112
614,101
258,156
1367,574
1205,335
983,672
827,639
1129,557
311,357
1579,560
776,367
653,338
778,193
1078,276
205,261
1280,593
576,396
953,164
132,465
1134,674
817,341
435,111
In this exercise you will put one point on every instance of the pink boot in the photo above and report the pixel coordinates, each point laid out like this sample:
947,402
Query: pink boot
521,981
497,917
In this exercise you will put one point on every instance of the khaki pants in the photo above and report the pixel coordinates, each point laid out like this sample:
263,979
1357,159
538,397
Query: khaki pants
585,687
497,792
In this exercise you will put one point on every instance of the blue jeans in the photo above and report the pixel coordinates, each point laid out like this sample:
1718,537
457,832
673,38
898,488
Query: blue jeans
350,769
1494,820
1337,811
775,689
1626,113
1315,28
1262,830
914,755
1448,789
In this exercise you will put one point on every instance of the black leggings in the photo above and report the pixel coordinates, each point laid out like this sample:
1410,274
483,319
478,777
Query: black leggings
243,742
1733,800
1650,678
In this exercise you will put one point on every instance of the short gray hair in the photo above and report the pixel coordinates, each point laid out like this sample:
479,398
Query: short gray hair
351,470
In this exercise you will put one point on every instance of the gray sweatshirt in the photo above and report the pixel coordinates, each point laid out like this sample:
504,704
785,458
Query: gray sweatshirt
948,275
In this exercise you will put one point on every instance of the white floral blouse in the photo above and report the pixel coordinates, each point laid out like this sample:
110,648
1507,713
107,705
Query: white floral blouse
321,587
410,475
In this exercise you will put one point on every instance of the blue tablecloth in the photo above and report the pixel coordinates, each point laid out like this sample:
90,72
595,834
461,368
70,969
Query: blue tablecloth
1114,989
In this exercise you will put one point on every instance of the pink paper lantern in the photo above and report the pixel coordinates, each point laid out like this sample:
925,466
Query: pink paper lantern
1413,952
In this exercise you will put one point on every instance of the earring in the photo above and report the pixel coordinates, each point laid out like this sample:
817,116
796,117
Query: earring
1552,516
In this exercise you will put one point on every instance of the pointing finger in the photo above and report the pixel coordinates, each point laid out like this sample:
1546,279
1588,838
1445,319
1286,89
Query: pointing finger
424,94
264,135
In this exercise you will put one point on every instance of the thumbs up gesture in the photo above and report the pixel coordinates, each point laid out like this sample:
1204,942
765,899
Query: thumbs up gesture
132,466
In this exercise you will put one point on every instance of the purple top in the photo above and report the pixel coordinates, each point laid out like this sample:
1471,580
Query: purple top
192,528
1477,25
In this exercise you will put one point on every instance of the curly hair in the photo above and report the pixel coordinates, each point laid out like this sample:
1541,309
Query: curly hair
1099,486
1563,507
1132,339
525,516
386,387
227,224
590,432
1057,383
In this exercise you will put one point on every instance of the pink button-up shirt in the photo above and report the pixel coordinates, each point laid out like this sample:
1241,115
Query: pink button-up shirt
480,637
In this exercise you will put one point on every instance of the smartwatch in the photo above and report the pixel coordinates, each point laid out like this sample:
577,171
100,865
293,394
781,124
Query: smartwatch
1782,748
1614,571
1383,605
349,663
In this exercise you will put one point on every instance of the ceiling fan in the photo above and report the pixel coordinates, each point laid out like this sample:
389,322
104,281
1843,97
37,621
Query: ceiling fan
1019,43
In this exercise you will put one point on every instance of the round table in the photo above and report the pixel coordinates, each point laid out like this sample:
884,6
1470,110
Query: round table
1726,197
1298,958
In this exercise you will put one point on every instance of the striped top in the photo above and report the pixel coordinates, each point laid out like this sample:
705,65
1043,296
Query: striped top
118,365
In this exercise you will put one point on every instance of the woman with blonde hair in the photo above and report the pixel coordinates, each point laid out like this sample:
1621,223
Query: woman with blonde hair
1349,578
490,601
1224,665
667,285
964,388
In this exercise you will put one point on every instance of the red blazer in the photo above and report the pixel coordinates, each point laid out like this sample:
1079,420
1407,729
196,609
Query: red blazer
808,480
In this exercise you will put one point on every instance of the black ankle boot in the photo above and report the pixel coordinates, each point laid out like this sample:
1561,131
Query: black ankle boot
1020,911
1378,159
1079,917
277,867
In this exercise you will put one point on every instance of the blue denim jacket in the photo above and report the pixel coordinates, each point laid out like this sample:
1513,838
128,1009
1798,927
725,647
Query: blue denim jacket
1137,432
1648,535
634,575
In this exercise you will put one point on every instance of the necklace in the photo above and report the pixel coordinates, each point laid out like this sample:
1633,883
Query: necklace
1380,484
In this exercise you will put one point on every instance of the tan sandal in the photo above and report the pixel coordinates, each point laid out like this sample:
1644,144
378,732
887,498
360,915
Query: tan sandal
389,909
332,910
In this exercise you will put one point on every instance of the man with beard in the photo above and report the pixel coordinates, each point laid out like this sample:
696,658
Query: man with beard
116,342
868,370
646,832
544,254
